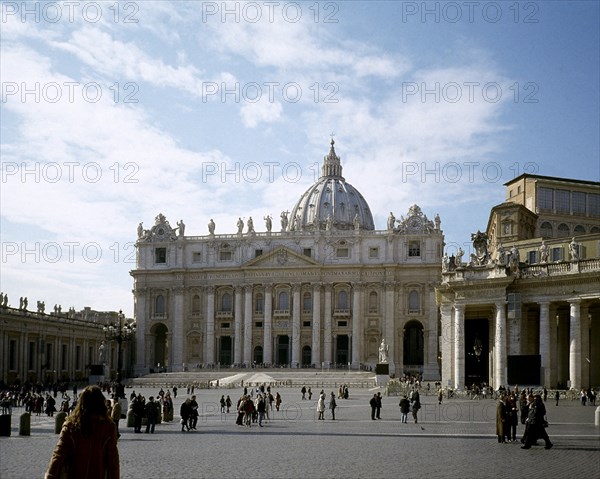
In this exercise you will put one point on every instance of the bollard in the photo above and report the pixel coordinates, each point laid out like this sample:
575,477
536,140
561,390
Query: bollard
5,425
598,416
130,418
25,424
59,421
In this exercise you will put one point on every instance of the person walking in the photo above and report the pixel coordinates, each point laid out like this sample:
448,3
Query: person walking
193,413
228,403
378,406
536,424
332,405
303,391
116,413
277,400
87,446
501,419
185,411
404,408
152,413
557,396
416,405
321,406
373,404
260,408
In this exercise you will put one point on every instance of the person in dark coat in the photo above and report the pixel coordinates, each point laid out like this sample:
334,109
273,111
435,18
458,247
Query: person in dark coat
152,413
138,407
185,411
536,424
501,419
404,408
373,404
378,407
416,404
332,405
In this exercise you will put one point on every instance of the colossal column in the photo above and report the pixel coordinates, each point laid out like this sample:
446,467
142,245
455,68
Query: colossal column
575,344
237,325
141,315
459,346
210,326
247,325
446,343
177,336
500,345
356,317
316,326
268,326
545,342
327,330
296,326
390,332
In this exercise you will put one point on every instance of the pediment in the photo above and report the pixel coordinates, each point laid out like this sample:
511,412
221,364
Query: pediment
281,257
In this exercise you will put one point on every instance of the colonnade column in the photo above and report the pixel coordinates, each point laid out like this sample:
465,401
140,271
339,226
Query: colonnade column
177,337
141,367
247,325
446,343
545,341
316,326
327,329
237,326
575,344
209,358
295,326
390,333
500,358
459,346
357,290
268,326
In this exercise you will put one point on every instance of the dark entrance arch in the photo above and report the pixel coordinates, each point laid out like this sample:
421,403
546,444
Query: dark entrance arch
161,347
258,355
306,356
414,351
283,350
476,351
342,348
225,350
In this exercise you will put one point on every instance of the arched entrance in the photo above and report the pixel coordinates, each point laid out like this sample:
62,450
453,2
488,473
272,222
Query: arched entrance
160,356
282,350
258,355
306,356
476,351
342,349
225,350
414,350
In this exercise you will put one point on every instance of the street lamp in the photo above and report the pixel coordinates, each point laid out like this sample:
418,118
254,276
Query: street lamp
119,331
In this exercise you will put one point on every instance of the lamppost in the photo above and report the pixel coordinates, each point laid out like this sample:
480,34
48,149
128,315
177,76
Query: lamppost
119,331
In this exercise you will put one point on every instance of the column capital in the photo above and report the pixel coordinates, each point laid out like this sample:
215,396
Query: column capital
296,287
459,307
210,289
317,286
178,289
268,287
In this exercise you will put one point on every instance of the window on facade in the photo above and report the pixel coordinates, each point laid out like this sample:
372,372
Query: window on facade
373,302
225,255
579,230
562,200
258,252
77,358
532,257
373,252
284,300
414,248
546,230
258,324
259,303
342,300
196,304
595,229
159,305
160,255
196,257
593,204
414,302
578,202
506,229
563,230
545,198
342,252
342,324
307,302
226,302
306,324
307,252
225,325
556,254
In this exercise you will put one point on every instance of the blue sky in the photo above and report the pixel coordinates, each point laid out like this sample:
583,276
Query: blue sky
114,113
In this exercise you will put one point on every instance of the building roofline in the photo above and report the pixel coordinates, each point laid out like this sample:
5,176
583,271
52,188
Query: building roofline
553,178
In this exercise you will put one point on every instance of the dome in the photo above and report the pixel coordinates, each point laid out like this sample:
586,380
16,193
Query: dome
331,203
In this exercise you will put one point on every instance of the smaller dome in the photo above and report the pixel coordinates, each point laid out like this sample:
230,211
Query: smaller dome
331,203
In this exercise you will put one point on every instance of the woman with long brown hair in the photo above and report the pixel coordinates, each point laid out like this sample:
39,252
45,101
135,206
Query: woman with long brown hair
87,446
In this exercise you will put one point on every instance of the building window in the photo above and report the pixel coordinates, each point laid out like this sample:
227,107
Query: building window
284,300
593,204
342,300
532,257
160,255
225,325
307,302
196,257
414,305
225,255
545,198
580,230
196,304
595,229
306,324
258,252
546,230
563,201
226,302
258,324
506,229
563,230
259,303
373,253
373,302
342,324
578,201
556,254
342,253
159,305
307,252
414,248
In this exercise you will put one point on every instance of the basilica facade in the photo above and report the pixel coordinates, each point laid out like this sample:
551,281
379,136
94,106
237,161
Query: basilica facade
321,292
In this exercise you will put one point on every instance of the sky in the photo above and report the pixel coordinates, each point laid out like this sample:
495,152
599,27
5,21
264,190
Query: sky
114,112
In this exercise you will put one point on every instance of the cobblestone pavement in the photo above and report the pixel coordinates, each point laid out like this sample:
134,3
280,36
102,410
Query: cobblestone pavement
454,439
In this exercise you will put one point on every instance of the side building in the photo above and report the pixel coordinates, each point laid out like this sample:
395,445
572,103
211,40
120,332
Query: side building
50,347
525,307
322,292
